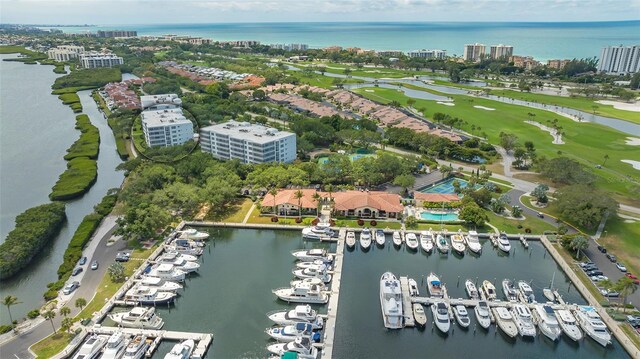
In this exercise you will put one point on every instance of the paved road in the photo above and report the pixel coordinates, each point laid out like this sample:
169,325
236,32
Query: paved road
18,347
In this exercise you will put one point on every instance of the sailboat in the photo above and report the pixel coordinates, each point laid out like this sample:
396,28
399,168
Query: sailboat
548,292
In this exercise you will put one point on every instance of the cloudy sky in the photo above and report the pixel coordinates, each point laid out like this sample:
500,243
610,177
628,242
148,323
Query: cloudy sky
211,11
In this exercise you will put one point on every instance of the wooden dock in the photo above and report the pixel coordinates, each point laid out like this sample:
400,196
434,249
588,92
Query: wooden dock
332,313
407,306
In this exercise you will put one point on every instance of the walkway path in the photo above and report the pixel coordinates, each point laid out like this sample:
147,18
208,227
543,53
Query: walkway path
246,217
507,160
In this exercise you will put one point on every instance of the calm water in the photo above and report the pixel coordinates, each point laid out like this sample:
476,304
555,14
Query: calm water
541,40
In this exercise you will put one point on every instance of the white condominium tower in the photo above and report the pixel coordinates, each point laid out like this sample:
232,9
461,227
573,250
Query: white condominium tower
474,52
501,51
620,60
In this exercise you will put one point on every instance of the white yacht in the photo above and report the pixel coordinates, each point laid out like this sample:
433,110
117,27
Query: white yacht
91,347
462,317
290,332
167,271
473,242
314,263
137,347
175,255
434,286
483,316
186,242
180,263
489,290
524,322
308,255
192,233
301,346
568,324
391,301
144,295
181,350
138,317
311,281
503,243
509,290
319,231
351,239
380,237
116,344
525,292
397,239
411,240
303,293
548,292
160,284
442,244
592,324
471,289
419,315
301,313
505,321
313,272
426,242
547,322
440,313
457,243
184,247
365,238
413,287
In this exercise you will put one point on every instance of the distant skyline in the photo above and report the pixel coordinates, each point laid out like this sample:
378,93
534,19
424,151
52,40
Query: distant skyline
128,12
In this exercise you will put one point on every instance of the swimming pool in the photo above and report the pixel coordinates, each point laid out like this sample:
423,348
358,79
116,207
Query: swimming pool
446,186
445,217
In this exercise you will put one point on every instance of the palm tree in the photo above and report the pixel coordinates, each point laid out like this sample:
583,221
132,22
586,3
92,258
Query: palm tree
579,243
298,195
606,157
50,314
316,198
8,301
64,311
274,193
81,302
625,286
66,324
329,188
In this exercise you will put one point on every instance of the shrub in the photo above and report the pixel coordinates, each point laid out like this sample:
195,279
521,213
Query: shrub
298,220
33,314
5,328
80,175
527,230
360,222
373,223
50,294
88,145
274,219
88,77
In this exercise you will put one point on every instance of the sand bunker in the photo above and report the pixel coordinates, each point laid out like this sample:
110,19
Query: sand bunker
369,91
485,108
632,141
557,137
634,107
446,103
634,164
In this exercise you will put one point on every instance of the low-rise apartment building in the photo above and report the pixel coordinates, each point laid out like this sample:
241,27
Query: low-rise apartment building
160,102
428,54
65,53
163,128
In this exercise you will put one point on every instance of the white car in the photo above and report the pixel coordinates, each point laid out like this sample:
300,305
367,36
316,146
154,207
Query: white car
621,267
70,288
598,278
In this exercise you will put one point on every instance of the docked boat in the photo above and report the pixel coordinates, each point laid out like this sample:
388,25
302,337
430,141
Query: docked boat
426,241
505,321
548,292
351,239
471,289
568,324
167,271
413,287
192,233
462,316
310,255
483,316
380,237
524,321
440,313
313,272
525,292
184,248
489,290
181,350
160,284
289,333
397,239
303,293
317,232
419,315
457,243
434,286
91,347
473,242
186,242
138,317
180,263
315,263
311,281
442,244
116,344
175,255
503,243
592,325
509,290
137,347
391,301
144,295
547,321
412,241
301,346
301,313
365,238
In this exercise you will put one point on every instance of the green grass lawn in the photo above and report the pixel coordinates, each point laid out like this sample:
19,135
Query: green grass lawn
536,225
623,240
319,80
51,345
238,211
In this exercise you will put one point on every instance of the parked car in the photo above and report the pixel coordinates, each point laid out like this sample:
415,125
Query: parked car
634,320
76,271
598,278
590,268
94,265
83,260
609,293
612,257
630,275
594,272
123,257
540,214
69,288
586,264
621,267
601,249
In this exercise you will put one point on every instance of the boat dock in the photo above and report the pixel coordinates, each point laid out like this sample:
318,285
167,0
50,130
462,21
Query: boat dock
407,307
332,313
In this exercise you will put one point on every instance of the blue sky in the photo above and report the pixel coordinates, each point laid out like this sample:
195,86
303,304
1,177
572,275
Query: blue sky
210,11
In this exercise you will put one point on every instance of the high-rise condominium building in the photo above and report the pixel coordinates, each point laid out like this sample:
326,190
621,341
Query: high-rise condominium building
501,51
474,52
620,60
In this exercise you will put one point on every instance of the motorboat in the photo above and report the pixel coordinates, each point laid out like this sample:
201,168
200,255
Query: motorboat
312,281
525,292
176,255
138,317
301,346
309,255
412,241
509,290
426,241
483,316
547,321
313,272
192,233
505,321
548,292
160,284
143,295
116,344
289,333
473,242
137,347
489,290
314,263
471,289
442,244
181,350
184,247
568,324
462,316
440,313
380,237
186,242
351,239
167,271
391,301
457,243
180,263
503,243
434,286
301,313
365,238
397,239
91,347
303,293
413,287
592,324
524,322
317,232
419,315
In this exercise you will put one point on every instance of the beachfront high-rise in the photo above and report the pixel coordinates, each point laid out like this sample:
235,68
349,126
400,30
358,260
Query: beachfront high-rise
474,52
248,143
500,51
620,60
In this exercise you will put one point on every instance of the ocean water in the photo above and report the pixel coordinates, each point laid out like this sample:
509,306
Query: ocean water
542,40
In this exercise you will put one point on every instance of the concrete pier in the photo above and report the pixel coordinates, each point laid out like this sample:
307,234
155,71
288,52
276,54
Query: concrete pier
332,314
407,307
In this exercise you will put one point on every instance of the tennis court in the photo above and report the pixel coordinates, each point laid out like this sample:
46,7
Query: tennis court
446,186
